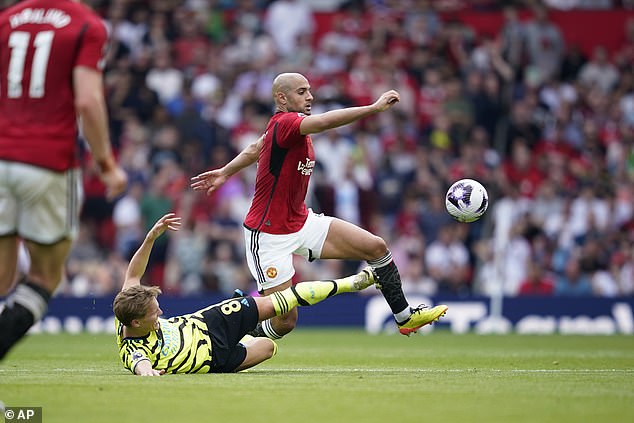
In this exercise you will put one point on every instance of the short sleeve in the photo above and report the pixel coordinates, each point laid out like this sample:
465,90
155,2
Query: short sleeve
92,45
288,130
135,358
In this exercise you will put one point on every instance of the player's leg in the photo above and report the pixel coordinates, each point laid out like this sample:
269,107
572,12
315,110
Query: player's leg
9,211
280,303
310,293
9,244
49,204
348,241
47,263
288,297
278,325
8,262
258,350
29,302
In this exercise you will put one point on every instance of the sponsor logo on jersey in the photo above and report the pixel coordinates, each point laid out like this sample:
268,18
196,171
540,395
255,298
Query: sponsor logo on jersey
271,272
307,167
171,339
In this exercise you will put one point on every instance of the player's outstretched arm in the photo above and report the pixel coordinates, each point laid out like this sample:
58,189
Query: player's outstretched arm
139,261
340,117
212,180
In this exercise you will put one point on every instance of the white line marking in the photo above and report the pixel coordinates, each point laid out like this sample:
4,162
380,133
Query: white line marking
345,370
475,370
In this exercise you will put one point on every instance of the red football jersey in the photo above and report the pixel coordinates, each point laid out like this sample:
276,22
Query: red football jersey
285,164
41,41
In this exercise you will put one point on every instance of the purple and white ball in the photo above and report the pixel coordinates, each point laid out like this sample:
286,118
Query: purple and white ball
466,200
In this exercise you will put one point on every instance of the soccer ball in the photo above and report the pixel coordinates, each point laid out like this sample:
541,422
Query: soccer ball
467,200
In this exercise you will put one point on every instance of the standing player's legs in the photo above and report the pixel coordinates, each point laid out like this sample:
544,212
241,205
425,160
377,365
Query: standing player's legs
47,222
348,241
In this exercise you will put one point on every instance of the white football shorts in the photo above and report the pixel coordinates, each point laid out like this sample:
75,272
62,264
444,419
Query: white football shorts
38,204
270,257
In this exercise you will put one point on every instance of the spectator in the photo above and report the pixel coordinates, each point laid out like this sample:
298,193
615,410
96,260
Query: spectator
163,78
545,45
574,282
126,216
285,20
599,71
513,39
537,281
447,261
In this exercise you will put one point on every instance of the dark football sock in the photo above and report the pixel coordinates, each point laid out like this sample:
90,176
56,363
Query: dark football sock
23,309
390,283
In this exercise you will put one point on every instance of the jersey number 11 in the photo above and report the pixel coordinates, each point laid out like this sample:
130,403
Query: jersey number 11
19,44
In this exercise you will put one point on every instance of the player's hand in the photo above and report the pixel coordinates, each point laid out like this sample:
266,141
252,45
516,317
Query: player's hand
209,181
169,221
115,180
387,100
153,372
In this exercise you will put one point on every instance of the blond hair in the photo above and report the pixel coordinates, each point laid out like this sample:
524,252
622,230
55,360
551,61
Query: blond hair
133,302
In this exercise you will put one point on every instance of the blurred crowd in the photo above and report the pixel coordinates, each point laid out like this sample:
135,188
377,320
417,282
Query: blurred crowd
547,128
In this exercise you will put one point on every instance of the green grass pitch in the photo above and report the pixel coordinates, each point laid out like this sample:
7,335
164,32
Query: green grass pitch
325,375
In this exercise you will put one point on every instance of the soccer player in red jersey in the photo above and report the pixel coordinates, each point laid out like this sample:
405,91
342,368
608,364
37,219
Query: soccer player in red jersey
279,224
51,61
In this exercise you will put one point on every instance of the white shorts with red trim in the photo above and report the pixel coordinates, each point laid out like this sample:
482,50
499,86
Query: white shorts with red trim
38,204
270,256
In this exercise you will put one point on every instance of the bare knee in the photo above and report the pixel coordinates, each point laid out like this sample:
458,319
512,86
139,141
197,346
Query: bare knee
376,248
269,349
263,348
258,350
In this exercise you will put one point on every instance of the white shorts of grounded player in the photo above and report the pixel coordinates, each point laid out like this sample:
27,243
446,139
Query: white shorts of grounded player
39,204
270,257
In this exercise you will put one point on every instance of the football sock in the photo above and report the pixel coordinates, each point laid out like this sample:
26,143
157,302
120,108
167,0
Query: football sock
310,293
268,331
24,307
390,286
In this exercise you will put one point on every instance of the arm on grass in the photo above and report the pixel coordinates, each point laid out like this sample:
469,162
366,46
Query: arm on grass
139,261
144,368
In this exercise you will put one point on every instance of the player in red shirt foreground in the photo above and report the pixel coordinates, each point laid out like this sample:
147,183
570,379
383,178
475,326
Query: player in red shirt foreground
51,61
278,223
